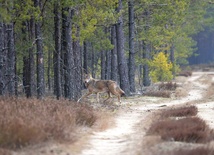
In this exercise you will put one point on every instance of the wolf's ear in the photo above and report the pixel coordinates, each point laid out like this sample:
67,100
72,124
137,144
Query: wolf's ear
90,76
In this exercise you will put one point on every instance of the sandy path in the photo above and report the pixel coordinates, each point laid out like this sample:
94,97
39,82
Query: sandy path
123,138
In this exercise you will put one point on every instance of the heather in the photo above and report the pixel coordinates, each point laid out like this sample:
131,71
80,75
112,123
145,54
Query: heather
30,121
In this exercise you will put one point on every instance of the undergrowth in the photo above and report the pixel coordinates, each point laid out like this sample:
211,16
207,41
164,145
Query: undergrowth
185,129
30,121
163,89
196,151
191,129
181,112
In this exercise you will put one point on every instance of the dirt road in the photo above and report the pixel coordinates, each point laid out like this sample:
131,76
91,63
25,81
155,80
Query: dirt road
127,136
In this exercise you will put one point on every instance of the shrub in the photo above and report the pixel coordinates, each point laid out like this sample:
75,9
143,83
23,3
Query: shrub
196,151
159,93
167,86
160,68
185,73
181,112
186,130
29,121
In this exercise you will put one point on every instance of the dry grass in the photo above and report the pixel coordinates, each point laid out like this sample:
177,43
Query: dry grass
163,89
159,93
186,129
210,92
190,129
185,73
181,112
196,151
181,92
30,121
168,86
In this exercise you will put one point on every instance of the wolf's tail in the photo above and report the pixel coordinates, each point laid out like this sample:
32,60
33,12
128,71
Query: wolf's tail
122,93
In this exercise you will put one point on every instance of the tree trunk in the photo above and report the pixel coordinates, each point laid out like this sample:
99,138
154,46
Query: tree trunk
172,59
57,53
78,68
108,65
122,62
40,57
2,59
114,71
108,60
68,54
85,57
146,52
131,47
32,59
146,56
25,77
92,62
49,70
103,64
11,60
28,60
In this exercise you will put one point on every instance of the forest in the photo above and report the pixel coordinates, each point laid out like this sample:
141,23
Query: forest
47,45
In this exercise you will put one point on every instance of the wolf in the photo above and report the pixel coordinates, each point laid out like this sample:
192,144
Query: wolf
97,86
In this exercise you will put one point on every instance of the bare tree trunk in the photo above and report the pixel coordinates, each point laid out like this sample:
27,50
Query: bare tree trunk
146,56
11,60
2,59
103,64
49,70
146,53
172,59
131,47
122,62
85,57
28,60
108,65
57,53
114,71
92,62
25,76
40,57
78,68
68,53
32,78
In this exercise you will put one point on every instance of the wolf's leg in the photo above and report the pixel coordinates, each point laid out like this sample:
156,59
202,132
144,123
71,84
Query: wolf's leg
109,96
119,98
87,94
98,98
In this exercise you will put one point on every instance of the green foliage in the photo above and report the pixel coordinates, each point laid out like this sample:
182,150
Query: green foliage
93,15
160,68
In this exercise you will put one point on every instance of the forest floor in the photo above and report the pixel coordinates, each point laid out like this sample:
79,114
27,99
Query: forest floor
127,133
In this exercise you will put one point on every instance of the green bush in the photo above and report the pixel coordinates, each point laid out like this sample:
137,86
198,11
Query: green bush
160,68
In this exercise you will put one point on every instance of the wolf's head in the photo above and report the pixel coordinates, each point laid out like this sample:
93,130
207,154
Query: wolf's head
87,78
